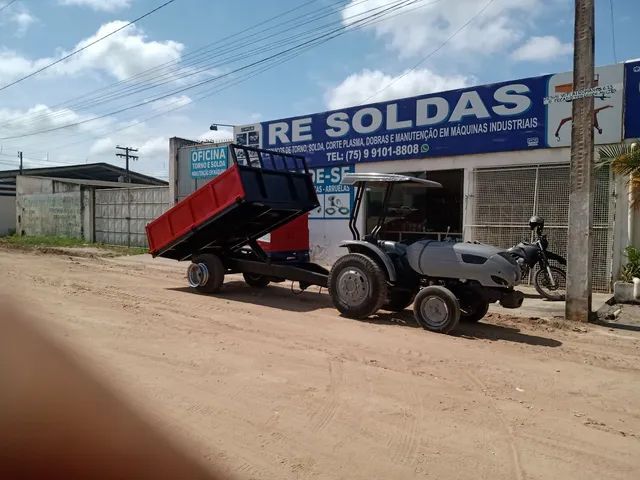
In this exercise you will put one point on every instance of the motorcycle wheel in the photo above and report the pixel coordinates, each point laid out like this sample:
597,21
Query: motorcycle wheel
542,282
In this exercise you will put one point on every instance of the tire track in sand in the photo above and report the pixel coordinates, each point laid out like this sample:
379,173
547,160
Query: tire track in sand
515,454
323,416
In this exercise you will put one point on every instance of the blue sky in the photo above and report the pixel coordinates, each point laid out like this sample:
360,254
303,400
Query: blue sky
508,39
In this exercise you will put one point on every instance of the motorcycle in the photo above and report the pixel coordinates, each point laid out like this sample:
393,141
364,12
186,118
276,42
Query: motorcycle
550,281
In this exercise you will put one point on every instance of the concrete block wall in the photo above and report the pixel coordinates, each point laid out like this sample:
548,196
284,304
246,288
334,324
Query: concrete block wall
59,214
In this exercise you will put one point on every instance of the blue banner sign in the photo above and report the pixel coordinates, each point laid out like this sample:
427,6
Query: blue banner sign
632,100
209,162
336,200
491,118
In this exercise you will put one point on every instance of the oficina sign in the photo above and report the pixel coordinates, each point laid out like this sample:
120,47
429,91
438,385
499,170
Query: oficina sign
490,118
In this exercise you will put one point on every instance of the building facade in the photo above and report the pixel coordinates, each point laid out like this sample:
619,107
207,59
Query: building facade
501,152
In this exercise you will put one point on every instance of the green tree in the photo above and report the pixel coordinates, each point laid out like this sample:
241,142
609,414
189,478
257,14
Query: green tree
624,160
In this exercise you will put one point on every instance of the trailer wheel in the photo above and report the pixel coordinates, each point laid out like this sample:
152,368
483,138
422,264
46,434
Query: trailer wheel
357,285
437,309
206,273
399,300
255,280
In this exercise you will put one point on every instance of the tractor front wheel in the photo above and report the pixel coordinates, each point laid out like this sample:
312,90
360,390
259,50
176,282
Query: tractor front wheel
437,309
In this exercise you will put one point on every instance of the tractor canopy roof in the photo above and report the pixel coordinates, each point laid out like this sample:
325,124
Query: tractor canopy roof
385,178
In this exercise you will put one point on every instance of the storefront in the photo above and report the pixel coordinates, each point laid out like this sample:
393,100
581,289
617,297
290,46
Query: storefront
500,151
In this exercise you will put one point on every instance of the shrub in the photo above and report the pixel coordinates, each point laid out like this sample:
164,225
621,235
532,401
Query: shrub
632,268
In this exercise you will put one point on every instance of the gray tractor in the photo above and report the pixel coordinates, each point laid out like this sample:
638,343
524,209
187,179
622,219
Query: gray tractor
446,281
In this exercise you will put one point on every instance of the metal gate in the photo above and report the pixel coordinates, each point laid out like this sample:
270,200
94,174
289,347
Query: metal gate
501,201
121,214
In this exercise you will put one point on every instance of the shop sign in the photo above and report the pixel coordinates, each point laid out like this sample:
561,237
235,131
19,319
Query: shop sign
491,118
632,100
336,200
209,162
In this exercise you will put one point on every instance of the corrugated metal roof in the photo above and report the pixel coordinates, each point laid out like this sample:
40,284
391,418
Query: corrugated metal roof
90,171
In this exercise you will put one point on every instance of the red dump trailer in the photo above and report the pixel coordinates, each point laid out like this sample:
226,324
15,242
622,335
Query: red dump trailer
217,227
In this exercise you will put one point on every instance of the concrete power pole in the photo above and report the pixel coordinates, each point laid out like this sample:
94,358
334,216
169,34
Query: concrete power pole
20,157
578,306
127,155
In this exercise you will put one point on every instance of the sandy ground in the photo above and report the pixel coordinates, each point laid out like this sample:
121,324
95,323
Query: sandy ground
277,386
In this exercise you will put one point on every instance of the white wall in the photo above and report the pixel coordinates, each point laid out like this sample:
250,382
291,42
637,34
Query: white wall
324,238
7,215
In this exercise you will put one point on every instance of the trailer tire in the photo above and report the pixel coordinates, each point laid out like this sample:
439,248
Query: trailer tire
214,270
357,285
256,280
437,309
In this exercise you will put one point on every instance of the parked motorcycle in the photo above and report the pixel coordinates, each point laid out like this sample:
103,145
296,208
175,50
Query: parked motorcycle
550,281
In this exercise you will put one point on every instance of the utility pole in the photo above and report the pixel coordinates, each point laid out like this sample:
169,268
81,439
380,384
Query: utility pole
20,157
127,155
578,305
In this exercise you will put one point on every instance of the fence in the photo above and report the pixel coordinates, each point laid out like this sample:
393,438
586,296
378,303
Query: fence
122,213
502,200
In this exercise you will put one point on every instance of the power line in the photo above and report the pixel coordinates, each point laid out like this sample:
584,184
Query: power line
7,5
434,51
322,38
234,82
35,72
89,102
613,32
361,23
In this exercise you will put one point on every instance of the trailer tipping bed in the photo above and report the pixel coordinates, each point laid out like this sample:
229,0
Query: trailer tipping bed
261,191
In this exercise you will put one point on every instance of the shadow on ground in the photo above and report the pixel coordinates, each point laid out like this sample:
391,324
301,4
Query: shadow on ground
470,331
270,296
312,299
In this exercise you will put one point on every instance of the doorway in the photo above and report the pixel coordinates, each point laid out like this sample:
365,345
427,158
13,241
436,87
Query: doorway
416,212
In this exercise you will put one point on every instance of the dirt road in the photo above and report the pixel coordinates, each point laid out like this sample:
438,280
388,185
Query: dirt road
276,386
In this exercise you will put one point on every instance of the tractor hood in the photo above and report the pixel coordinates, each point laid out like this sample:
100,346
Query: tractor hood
488,265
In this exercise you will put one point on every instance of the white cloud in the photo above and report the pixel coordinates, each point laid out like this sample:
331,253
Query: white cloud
420,30
154,148
41,117
100,5
364,87
122,55
23,20
171,103
19,17
540,49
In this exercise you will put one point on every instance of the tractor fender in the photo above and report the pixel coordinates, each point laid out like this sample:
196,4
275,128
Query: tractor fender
373,251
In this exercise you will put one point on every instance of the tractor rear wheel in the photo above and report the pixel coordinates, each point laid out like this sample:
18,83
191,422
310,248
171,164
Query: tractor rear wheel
357,285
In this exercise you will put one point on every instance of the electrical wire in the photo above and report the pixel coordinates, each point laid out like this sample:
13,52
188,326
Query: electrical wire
432,52
69,55
7,5
327,36
218,44
219,88
145,85
613,32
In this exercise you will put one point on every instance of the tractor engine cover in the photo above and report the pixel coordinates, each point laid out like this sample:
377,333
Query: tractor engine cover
488,265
